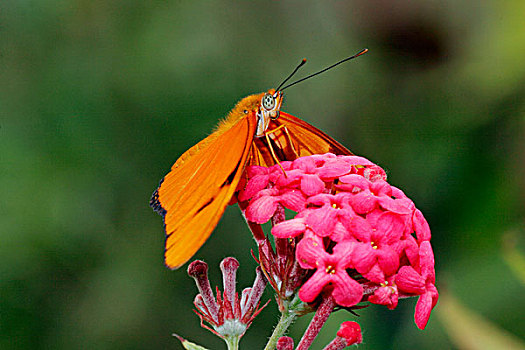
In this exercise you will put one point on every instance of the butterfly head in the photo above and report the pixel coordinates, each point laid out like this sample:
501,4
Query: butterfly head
269,108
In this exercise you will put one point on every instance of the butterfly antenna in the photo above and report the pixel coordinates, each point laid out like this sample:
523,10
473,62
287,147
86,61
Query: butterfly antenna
322,71
291,75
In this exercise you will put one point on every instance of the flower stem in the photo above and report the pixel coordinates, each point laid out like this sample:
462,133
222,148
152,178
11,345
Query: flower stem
321,315
287,318
232,342
290,312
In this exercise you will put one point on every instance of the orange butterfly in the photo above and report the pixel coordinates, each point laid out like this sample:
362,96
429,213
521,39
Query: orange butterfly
194,194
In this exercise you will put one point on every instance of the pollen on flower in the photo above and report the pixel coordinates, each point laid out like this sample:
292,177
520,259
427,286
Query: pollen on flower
330,269
355,236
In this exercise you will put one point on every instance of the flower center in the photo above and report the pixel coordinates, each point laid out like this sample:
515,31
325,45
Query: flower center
391,287
374,246
330,269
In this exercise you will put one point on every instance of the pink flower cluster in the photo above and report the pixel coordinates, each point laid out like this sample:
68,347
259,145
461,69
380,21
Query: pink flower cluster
358,236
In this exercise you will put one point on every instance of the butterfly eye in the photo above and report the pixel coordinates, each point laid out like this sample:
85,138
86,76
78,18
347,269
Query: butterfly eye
268,102
245,111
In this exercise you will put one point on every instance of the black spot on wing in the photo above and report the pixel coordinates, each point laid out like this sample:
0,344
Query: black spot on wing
205,205
155,203
230,177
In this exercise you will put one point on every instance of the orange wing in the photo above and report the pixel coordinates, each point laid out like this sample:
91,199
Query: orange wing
290,138
194,194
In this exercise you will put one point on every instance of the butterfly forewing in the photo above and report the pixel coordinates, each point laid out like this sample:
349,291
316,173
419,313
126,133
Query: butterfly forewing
194,194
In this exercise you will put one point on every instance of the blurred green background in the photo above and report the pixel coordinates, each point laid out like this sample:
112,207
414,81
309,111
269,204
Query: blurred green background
99,98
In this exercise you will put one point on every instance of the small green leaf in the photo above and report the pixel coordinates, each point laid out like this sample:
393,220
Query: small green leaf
187,344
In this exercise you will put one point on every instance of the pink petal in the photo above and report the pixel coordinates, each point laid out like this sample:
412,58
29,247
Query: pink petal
315,284
423,309
409,227
321,199
342,252
410,248
396,192
311,184
399,206
389,228
349,181
292,178
293,200
409,281
276,172
426,261
359,228
347,292
327,156
421,226
254,185
388,260
434,292
307,164
356,160
363,257
261,209
310,251
289,228
381,188
254,170
333,169
340,233
375,274
322,220
363,202
373,216
342,199
266,192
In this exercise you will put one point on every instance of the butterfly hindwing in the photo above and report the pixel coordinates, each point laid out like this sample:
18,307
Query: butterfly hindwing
290,138
308,139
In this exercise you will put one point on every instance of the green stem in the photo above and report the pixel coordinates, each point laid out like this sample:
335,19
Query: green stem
232,342
286,320
291,311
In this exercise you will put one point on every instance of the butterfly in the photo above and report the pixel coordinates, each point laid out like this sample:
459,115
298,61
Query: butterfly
193,196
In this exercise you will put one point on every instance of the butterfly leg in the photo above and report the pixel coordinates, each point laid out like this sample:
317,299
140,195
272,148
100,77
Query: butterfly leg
287,133
288,137
266,135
